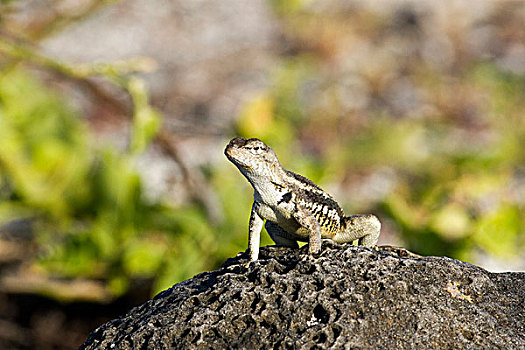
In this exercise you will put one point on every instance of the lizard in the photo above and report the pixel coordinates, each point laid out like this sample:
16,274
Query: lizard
294,207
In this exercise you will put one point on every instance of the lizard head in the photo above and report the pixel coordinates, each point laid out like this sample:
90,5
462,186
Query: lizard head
252,156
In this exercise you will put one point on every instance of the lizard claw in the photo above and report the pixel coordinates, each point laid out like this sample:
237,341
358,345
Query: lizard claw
314,252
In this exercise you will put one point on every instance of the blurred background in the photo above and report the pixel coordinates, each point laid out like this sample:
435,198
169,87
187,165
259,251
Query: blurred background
114,116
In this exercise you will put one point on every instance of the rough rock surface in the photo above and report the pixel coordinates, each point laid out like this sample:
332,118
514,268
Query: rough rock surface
349,297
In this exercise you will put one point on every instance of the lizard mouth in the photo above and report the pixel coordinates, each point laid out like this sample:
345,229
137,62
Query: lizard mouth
233,152
232,146
232,156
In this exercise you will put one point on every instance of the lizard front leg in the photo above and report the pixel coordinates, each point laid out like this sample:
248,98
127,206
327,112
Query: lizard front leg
306,219
256,223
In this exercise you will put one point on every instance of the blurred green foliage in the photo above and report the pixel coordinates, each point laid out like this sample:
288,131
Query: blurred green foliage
86,201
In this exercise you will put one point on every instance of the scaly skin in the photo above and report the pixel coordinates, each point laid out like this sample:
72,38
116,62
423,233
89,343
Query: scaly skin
295,209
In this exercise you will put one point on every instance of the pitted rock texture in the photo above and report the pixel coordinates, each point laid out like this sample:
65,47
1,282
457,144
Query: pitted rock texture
347,298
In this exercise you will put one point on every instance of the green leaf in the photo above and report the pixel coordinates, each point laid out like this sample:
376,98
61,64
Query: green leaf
498,232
